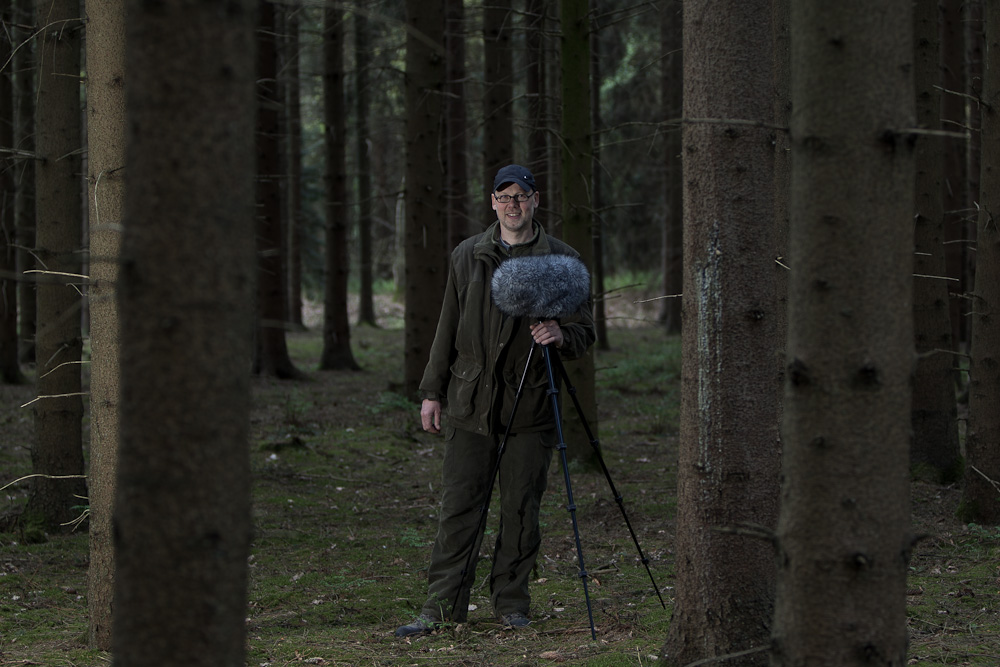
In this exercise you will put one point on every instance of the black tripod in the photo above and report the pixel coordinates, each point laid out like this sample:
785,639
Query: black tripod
553,393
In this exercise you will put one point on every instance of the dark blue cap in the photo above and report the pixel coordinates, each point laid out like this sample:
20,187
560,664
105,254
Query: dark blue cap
514,173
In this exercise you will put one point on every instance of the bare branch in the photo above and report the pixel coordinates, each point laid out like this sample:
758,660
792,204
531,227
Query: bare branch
38,474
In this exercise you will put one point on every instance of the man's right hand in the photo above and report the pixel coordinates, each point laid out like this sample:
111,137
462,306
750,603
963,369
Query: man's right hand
430,415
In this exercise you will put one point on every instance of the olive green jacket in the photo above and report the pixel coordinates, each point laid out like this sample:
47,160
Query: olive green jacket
479,354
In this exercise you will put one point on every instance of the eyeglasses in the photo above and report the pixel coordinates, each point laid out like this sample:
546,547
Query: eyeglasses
505,199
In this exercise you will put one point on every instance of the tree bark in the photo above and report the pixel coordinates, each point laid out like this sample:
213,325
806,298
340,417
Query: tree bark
780,17
844,533
106,128
728,472
58,410
981,495
182,503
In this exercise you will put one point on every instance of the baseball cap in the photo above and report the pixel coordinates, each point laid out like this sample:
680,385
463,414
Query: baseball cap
514,173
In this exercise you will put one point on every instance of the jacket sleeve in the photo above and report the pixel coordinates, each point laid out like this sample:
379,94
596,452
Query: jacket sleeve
578,331
434,384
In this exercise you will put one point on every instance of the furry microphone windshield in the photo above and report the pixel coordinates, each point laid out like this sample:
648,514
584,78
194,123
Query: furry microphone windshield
543,287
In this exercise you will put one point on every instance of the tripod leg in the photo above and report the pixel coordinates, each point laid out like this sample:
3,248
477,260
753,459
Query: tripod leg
561,446
484,508
595,443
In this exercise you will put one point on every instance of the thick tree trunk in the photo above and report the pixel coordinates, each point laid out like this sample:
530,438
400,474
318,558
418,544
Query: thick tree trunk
58,410
336,324
182,503
844,533
728,472
425,243
981,496
106,127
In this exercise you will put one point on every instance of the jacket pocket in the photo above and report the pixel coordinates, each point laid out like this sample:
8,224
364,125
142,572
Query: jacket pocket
462,388
534,408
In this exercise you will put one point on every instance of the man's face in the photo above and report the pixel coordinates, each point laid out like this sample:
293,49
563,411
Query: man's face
515,216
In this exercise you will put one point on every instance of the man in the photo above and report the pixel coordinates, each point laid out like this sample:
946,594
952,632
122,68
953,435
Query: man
475,367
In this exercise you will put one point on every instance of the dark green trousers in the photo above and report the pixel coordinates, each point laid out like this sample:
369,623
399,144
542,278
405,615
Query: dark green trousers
469,462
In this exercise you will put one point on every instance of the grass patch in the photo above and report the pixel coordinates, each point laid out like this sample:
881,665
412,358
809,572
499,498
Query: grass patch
345,510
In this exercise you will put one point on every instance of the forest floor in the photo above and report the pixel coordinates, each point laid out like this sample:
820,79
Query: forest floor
345,493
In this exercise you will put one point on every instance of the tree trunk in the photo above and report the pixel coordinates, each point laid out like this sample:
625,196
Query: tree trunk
459,224
106,128
673,224
981,495
553,95
535,89
728,472
336,324
182,503
24,136
272,347
844,534
293,105
10,366
972,21
362,62
58,410
780,13
957,201
425,243
498,102
578,205
934,411
597,185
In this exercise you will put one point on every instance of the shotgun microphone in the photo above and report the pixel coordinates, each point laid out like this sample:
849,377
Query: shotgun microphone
543,287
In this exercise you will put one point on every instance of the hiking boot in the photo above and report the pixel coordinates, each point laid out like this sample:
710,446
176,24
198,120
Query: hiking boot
424,625
515,620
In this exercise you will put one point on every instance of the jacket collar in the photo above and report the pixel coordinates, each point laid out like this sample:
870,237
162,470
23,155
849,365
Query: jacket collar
489,244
